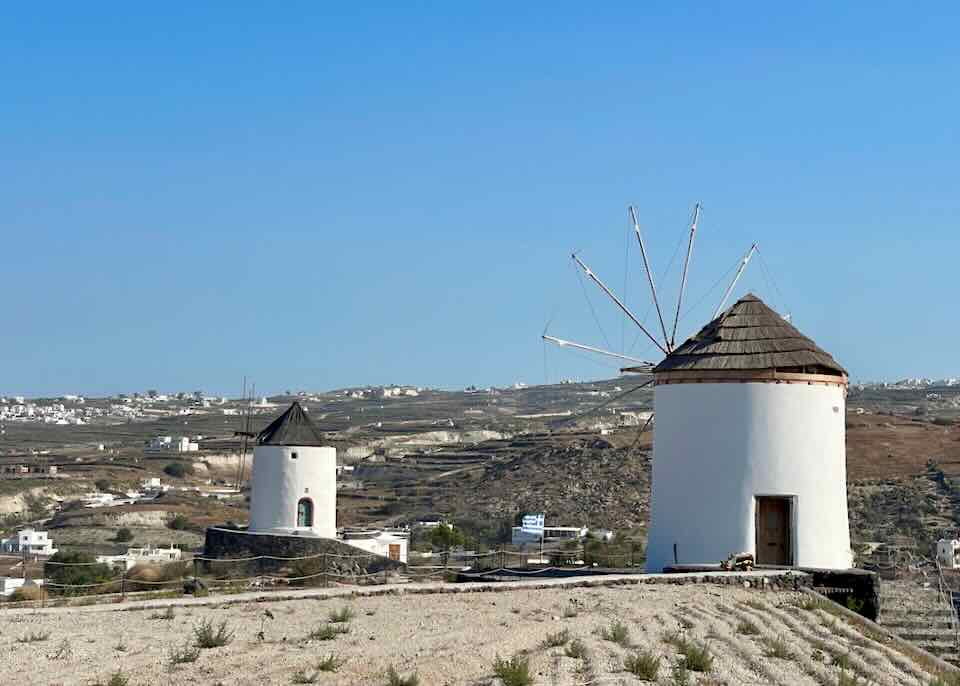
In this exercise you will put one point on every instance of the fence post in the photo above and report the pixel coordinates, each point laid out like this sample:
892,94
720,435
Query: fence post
326,581
123,585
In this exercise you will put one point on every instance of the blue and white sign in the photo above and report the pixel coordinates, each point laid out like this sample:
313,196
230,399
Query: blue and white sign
532,524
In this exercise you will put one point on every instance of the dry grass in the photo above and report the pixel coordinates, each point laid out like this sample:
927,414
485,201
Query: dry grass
617,633
513,672
644,665
328,632
555,640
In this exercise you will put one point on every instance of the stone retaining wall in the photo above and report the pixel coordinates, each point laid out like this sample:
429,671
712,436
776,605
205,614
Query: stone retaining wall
327,556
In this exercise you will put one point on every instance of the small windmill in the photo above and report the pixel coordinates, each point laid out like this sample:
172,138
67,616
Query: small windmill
667,344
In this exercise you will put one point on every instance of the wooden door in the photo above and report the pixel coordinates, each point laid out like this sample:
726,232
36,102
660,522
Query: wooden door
773,531
394,552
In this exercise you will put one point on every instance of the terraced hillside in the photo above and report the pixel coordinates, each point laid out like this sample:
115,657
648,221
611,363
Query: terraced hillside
576,478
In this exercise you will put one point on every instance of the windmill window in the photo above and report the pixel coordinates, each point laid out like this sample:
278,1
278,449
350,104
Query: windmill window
305,512
293,456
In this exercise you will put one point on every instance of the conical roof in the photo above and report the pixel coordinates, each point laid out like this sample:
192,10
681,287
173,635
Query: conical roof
750,336
293,427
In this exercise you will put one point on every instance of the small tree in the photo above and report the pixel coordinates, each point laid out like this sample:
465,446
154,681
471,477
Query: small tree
179,522
123,535
103,485
178,470
446,537
77,569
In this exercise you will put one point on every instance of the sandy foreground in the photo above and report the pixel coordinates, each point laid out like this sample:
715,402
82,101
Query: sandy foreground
451,639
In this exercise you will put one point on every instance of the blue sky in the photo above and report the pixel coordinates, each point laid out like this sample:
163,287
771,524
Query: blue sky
318,196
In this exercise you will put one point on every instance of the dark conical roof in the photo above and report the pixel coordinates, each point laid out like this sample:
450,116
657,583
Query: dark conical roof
750,336
293,427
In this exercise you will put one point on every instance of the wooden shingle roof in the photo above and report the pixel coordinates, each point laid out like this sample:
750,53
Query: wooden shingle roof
293,427
750,336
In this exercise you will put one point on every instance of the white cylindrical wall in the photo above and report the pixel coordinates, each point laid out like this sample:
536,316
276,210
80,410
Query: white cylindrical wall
281,480
717,446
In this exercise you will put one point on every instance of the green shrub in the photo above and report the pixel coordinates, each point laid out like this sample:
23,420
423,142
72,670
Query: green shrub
513,672
644,665
576,649
179,522
445,537
301,677
178,470
778,648
187,653
697,657
394,678
123,535
167,614
747,628
842,661
556,640
205,636
341,616
855,604
77,569
328,632
330,663
616,633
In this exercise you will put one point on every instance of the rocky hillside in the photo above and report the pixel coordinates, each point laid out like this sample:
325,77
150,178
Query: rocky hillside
588,481
601,483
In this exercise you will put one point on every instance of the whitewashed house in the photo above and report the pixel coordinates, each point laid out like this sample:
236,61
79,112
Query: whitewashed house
389,544
28,541
146,555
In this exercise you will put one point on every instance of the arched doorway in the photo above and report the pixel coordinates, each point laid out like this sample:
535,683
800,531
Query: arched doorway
305,513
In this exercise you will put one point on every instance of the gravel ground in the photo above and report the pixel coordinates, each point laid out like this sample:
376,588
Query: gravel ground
454,639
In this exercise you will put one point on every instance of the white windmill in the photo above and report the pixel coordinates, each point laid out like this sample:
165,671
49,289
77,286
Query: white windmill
749,438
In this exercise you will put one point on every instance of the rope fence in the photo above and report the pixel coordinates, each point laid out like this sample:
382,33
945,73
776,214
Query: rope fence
59,582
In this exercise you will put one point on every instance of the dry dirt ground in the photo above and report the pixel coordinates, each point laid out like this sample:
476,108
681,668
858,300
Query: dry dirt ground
451,639
883,447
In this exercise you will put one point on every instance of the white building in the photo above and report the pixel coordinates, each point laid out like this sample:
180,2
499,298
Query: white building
97,499
9,584
145,555
550,533
389,544
153,486
948,551
294,487
749,447
30,542
181,444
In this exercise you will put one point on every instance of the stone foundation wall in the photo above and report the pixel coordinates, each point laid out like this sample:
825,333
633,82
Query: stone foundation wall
856,589
227,548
